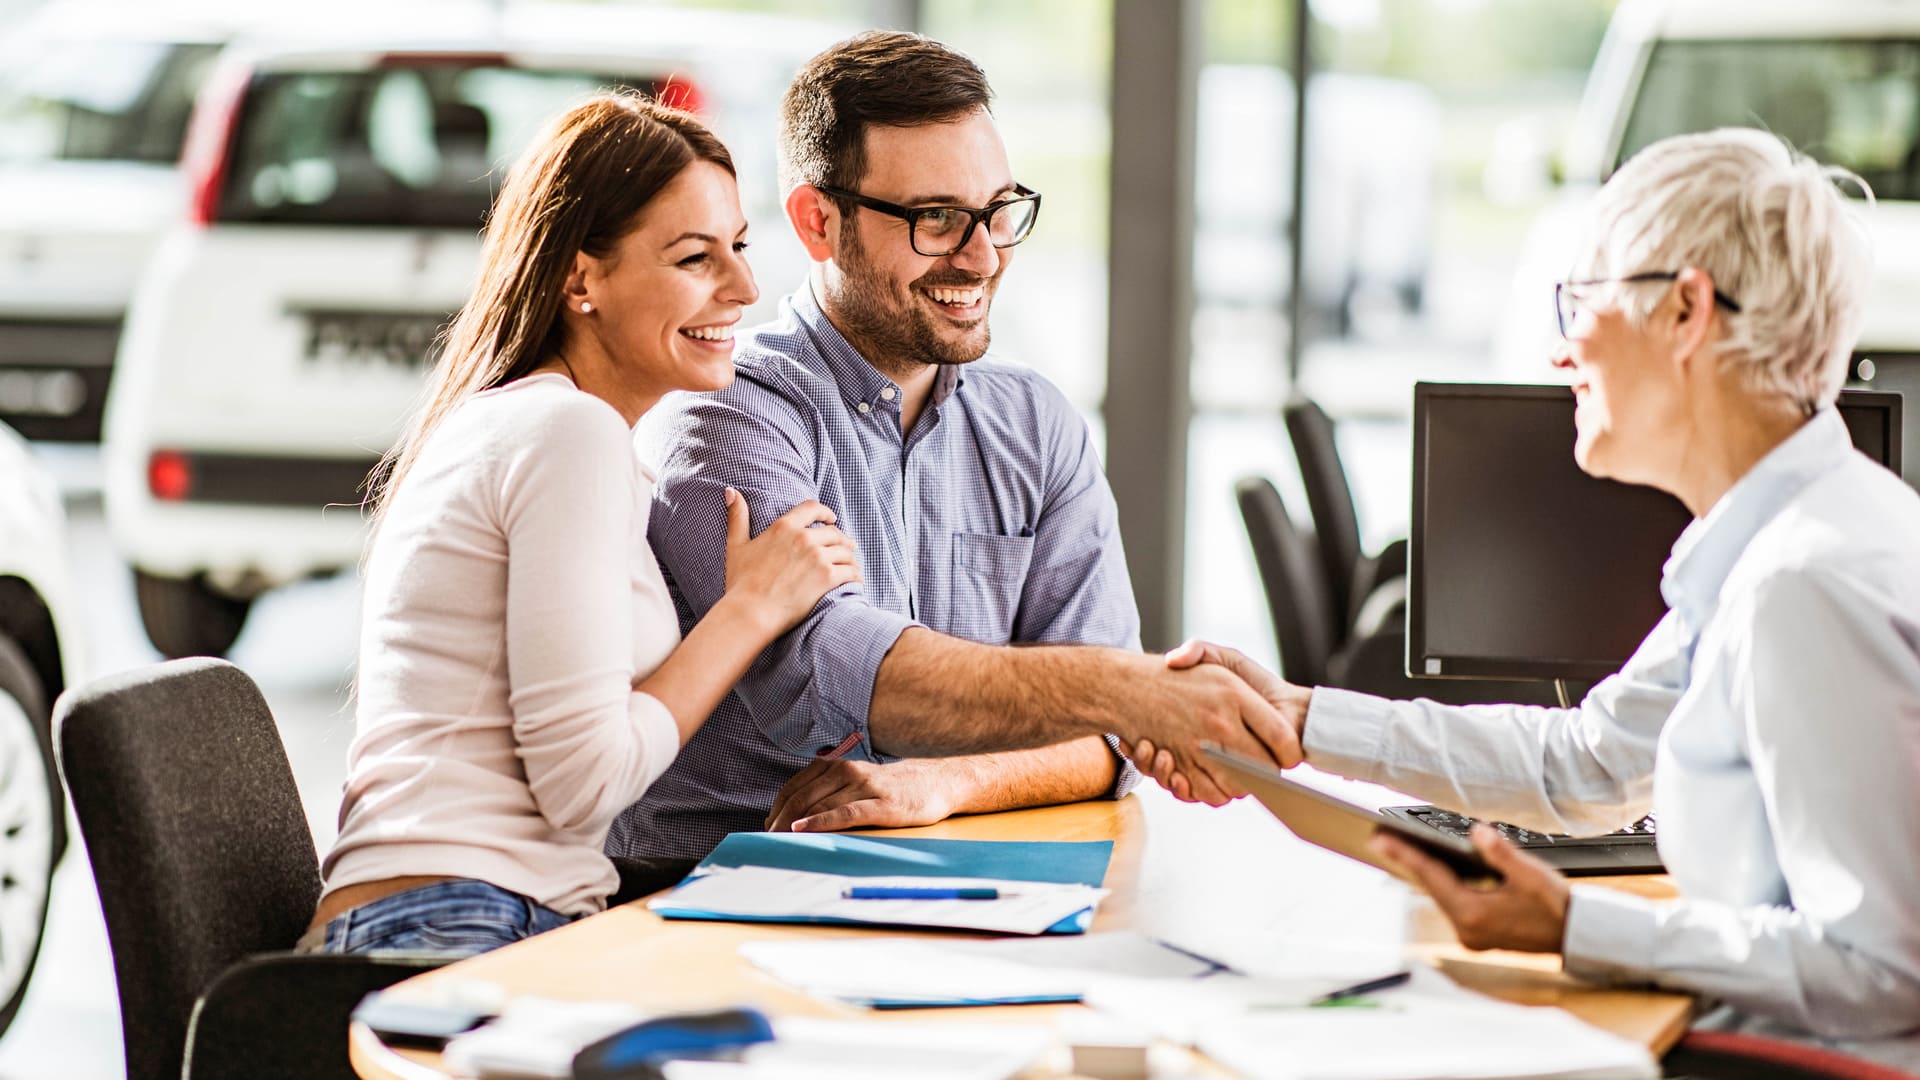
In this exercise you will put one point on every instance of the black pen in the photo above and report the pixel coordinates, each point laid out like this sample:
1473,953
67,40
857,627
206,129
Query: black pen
1347,993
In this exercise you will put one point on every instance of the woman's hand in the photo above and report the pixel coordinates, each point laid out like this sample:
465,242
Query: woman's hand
1527,911
782,573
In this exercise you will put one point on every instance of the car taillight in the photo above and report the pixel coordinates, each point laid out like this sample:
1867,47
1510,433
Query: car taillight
203,159
680,94
169,475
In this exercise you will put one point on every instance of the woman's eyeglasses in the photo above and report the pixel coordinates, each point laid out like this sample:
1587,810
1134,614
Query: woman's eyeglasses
1566,300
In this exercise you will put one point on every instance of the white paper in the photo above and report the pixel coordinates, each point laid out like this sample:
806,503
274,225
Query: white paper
916,969
806,1049
1024,907
537,1038
1430,1041
1264,1029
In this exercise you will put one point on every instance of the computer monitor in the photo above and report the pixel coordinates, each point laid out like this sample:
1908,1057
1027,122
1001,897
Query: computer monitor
1523,567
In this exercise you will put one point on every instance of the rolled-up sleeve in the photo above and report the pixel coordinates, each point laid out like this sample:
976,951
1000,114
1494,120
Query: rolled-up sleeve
1078,589
811,690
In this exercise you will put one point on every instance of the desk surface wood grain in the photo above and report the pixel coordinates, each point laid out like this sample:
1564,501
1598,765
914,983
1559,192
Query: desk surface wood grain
1189,873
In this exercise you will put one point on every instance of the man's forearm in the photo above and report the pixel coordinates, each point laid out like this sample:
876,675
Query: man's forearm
937,696
1069,772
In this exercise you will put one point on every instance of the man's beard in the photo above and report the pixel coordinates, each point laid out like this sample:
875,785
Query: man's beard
892,331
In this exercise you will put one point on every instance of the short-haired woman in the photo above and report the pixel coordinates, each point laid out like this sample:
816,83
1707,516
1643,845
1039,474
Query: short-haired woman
1772,718
522,677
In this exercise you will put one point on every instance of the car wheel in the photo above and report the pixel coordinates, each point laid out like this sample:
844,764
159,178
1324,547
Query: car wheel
32,813
186,617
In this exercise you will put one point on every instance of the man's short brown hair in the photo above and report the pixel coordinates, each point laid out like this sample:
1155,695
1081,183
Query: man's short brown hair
882,77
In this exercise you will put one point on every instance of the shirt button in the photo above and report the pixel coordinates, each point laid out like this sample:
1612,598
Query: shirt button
864,407
887,393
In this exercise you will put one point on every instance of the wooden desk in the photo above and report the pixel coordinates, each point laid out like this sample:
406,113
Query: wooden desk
1176,868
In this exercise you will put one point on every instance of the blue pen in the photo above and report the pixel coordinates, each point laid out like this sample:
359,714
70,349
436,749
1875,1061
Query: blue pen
892,892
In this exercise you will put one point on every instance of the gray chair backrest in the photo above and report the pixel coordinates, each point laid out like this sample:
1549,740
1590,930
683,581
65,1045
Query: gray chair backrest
1304,626
1336,523
199,845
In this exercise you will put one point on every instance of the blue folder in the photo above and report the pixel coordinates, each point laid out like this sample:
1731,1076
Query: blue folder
1062,863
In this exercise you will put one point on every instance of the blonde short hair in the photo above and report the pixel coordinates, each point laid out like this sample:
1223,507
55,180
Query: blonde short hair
1770,226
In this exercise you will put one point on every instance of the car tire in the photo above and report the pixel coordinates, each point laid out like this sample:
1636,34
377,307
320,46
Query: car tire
186,616
32,824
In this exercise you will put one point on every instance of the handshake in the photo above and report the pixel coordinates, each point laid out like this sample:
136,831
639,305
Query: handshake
1211,694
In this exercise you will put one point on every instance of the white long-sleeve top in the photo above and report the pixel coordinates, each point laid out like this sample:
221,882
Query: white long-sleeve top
1772,719
511,601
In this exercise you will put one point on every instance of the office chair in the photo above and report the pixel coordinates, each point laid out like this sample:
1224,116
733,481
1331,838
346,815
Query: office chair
1313,650
1725,1055
1351,574
203,861
1298,600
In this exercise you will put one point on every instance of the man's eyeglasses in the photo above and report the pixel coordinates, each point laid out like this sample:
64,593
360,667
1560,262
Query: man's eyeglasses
943,230
1566,301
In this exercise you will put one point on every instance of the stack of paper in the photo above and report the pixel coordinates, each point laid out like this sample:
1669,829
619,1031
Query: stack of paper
898,973
1265,1029
1487,1039
806,1049
758,893
537,1039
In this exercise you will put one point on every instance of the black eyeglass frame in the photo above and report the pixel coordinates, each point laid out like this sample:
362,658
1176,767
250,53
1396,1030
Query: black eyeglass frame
1563,317
976,217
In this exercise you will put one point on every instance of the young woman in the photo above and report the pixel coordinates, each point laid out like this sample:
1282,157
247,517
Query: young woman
522,677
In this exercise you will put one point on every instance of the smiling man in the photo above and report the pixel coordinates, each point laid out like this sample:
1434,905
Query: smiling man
970,484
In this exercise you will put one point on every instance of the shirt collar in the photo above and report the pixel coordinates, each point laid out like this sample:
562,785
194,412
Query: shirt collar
1707,551
859,381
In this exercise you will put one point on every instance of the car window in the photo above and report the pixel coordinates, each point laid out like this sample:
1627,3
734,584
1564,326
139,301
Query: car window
1851,103
98,100
397,145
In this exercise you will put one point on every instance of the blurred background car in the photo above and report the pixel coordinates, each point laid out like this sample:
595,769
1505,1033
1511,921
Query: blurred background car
94,99
1838,80
39,657
337,185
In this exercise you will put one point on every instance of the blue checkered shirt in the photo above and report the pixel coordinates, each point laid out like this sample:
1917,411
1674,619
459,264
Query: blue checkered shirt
990,521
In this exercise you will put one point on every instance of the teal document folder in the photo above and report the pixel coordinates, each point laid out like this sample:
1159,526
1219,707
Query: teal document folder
1062,863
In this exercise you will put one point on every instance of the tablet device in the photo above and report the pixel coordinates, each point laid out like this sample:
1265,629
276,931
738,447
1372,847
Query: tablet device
1338,825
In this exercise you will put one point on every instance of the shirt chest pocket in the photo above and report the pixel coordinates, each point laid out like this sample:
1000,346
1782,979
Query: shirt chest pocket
989,575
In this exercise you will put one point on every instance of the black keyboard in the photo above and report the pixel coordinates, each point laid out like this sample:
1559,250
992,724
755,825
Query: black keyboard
1629,851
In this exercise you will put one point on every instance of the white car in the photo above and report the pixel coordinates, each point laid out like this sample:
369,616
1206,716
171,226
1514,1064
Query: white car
279,337
94,99
38,659
1837,79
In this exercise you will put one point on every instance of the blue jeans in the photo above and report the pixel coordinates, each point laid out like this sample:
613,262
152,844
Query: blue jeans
455,918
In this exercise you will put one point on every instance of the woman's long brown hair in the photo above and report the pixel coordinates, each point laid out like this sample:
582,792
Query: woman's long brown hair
579,188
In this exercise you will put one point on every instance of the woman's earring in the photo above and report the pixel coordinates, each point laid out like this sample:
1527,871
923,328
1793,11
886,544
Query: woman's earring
585,308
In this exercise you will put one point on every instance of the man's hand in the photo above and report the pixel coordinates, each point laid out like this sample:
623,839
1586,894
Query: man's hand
1166,715
830,795
1288,700
1527,912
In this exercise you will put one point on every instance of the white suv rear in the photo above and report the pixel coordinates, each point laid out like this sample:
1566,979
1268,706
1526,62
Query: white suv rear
94,99
1839,79
280,335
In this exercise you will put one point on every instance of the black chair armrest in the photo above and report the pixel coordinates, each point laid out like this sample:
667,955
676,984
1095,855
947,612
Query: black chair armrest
1373,571
644,877
285,1014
